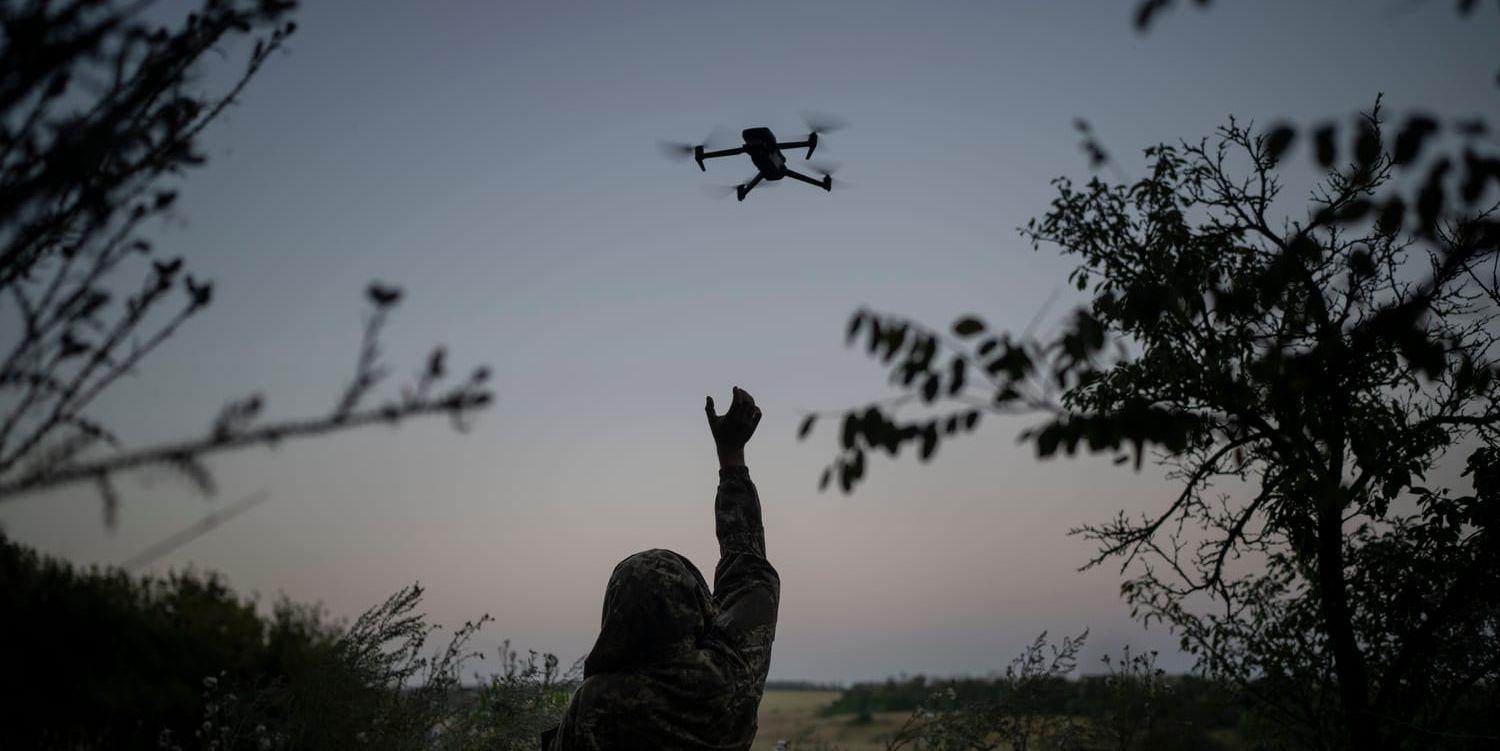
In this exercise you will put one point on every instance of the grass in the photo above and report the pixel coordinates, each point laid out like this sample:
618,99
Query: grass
792,714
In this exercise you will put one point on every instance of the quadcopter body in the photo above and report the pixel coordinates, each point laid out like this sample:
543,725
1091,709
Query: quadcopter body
765,152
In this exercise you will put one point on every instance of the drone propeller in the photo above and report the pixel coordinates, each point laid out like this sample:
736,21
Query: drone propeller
822,122
718,191
679,150
826,169
675,149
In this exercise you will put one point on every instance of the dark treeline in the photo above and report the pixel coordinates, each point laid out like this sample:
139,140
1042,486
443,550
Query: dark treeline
803,686
1123,708
113,660
1205,703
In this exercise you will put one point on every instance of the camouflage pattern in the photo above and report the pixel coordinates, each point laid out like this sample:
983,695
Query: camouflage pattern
677,666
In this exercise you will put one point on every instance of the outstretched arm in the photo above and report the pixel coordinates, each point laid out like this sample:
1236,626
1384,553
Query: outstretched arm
745,585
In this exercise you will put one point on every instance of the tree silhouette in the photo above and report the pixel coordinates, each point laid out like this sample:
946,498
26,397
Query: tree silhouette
1300,378
99,115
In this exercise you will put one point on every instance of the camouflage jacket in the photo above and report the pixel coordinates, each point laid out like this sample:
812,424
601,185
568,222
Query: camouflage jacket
677,666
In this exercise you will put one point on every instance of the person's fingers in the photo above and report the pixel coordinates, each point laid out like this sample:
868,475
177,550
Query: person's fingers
754,416
708,407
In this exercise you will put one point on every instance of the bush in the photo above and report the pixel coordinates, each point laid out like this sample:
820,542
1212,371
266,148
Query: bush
109,660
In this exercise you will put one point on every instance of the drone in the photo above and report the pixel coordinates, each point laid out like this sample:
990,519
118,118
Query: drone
765,152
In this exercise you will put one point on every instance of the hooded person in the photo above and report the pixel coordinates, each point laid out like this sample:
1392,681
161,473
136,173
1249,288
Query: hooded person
677,666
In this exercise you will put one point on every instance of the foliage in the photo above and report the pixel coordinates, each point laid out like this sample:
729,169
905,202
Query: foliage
802,686
1036,704
1299,378
510,710
110,660
115,661
1019,714
806,741
1137,699
100,114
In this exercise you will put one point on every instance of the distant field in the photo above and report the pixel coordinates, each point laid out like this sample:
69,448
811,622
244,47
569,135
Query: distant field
789,714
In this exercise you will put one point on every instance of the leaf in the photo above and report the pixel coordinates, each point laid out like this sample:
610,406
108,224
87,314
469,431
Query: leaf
1324,147
1409,141
1360,263
383,296
956,376
930,388
894,339
877,335
855,322
1047,441
199,293
850,430
1478,171
1146,11
1431,198
437,363
968,326
1354,210
1472,128
806,427
1391,216
1277,142
929,442
1367,146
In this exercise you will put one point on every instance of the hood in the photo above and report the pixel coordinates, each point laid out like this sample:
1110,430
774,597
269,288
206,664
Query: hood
657,605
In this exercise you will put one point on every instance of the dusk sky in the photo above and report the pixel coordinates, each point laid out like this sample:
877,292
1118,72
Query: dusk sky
498,161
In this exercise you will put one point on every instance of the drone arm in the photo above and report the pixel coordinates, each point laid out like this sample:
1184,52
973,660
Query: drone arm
826,183
699,155
744,190
810,144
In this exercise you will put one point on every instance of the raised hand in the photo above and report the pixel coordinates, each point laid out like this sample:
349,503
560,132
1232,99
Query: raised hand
733,429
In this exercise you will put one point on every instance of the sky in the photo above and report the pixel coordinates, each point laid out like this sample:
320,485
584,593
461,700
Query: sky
498,162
